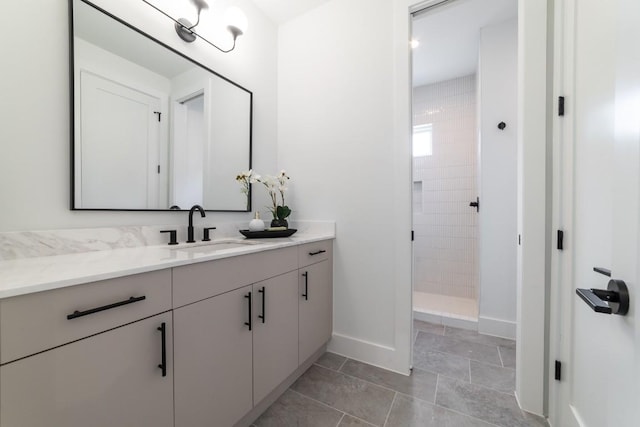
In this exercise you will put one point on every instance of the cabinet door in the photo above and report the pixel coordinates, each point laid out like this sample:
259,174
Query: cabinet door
316,308
213,352
275,332
109,379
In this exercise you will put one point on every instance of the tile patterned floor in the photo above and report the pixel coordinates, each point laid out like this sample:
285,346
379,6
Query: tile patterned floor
460,379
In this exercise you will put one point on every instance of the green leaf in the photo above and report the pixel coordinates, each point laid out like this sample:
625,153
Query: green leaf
283,212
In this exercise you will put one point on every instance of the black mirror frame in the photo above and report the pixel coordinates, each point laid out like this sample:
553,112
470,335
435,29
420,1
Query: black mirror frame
72,111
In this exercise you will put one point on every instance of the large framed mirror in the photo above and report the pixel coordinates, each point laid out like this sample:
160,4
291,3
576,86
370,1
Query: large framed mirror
152,129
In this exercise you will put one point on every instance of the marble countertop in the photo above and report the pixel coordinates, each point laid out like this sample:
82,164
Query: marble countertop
29,275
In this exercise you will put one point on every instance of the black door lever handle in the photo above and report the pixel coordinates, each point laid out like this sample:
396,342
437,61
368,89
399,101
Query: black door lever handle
613,300
476,204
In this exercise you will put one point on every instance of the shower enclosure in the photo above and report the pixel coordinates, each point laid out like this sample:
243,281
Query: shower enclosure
445,170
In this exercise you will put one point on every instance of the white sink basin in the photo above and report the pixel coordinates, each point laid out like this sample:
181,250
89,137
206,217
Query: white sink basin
209,247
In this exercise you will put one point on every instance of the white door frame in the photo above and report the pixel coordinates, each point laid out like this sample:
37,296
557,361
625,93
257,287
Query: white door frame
533,224
562,211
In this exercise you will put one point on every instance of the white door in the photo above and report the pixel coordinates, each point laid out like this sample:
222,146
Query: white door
598,195
119,146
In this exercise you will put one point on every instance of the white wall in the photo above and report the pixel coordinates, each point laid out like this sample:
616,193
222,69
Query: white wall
34,148
498,60
344,131
336,136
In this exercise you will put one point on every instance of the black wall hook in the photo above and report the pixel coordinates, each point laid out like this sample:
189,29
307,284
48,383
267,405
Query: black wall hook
502,125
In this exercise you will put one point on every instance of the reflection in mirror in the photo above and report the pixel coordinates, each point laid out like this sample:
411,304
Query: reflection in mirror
152,129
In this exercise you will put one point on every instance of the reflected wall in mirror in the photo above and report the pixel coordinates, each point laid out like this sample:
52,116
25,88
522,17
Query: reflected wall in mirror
153,130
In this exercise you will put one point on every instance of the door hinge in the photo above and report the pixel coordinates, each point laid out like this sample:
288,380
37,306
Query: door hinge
558,371
158,168
560,240
158,113
561,106
412,235
519,239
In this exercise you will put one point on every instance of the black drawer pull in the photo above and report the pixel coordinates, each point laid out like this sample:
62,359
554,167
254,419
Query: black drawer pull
163,365
249,323
264,297
131,300
321,251
306,285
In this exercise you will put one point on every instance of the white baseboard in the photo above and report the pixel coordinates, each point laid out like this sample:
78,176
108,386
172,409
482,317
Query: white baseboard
368,352
497,327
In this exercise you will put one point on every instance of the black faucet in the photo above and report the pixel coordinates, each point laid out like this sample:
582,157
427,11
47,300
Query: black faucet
190,229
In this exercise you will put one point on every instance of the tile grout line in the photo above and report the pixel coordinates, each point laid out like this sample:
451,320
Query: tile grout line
317,401
500,356
446,408
386,420
366,381
330,407
342,365
508,393
465,342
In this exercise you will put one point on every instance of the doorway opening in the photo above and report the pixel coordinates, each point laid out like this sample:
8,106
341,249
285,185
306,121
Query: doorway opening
464,107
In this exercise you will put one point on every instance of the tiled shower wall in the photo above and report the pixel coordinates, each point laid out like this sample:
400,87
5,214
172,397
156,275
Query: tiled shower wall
445,245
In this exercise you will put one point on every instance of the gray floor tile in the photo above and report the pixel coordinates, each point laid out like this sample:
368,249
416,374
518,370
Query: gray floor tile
495,377
534,420
349,421
480,402
421,384
295,410
351,395
409,412
440,363
446,344
475,337
508,356
419,325
331,361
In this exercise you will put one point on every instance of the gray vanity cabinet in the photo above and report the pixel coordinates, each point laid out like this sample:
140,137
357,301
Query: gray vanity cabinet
315,298
213,360
229,354
275,332
110,379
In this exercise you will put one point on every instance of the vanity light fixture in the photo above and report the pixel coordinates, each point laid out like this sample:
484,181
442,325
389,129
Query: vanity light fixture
236,23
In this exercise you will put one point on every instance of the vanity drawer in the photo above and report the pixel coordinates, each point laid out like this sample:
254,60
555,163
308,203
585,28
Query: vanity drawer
196,282
36,322
312,253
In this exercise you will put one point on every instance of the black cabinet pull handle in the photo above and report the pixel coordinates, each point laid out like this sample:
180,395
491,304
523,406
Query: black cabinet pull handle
264,297
249,323
306,285
131,300
163,332
613,300
321,251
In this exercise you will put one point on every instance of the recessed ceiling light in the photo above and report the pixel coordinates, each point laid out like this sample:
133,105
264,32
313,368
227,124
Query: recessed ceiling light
414,43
